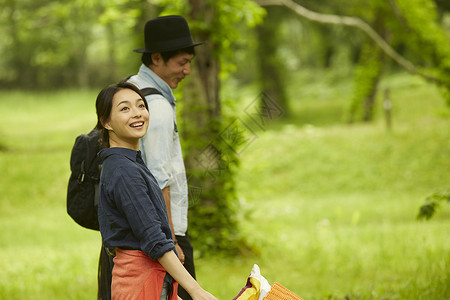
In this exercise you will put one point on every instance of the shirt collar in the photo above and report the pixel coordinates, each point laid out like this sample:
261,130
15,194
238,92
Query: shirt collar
149,76
128,153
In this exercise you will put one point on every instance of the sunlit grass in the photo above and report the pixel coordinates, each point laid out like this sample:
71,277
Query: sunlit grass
329,207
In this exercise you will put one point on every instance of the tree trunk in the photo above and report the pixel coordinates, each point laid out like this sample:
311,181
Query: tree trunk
369,102
209,174
355,22
271,65
201,95
112,61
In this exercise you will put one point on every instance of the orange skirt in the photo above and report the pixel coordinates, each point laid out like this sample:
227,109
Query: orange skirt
136,276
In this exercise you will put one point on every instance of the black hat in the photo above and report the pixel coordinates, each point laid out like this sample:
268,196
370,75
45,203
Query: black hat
167,33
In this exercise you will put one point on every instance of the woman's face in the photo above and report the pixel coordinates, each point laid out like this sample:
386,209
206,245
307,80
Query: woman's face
128,121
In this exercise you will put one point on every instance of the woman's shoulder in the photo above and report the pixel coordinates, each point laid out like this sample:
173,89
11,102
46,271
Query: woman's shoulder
118,161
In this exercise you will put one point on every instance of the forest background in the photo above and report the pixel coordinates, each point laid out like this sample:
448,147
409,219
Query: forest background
310,140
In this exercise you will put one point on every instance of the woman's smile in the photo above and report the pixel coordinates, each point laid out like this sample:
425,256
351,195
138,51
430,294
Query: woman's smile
138,124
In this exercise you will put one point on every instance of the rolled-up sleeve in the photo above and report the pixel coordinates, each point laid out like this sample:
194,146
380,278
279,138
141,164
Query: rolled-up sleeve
156,144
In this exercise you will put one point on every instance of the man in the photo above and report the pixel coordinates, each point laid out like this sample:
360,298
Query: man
166,59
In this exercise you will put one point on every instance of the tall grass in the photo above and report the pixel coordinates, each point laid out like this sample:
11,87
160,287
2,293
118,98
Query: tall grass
329,207
333,206
43,253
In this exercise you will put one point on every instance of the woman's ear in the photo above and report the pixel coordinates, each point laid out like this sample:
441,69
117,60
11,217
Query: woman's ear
106,125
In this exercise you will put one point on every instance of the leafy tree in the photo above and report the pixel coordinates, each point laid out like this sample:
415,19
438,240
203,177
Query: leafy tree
369,69
210,137
426,40
423,35
56,44
272,73
47,42
214,137
432,203
86,43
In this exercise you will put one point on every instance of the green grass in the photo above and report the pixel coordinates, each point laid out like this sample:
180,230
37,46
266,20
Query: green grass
330,208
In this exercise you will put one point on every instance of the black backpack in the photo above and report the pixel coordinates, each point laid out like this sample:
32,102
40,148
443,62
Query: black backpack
83,186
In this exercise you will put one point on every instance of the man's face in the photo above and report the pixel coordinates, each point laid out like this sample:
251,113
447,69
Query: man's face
174,70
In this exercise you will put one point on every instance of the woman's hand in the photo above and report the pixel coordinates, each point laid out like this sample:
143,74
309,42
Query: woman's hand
203,295
172,264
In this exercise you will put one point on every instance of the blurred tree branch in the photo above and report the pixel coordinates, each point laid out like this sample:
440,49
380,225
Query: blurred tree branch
354,22
432,203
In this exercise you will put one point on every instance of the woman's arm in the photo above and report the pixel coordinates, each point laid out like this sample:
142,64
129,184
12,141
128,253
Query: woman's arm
172,264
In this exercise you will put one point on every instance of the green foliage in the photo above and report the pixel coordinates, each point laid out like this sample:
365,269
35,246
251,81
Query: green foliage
65,43
72,43
426,39
330,207
88,43
170,7
366,74
420,19
211,166
211,140
411,26
230,13
227,28
432,203
121,13
43,42
212,161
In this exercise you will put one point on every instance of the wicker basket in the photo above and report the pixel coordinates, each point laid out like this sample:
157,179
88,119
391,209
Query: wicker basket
279,292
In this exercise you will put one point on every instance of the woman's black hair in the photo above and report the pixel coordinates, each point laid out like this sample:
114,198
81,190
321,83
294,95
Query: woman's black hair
103,106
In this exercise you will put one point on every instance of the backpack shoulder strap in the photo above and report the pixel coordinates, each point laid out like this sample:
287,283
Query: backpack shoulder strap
146,91
150,91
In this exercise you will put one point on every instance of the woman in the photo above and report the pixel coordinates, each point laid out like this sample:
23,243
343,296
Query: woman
132,213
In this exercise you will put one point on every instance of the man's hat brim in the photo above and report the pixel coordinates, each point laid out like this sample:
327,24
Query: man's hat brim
166,49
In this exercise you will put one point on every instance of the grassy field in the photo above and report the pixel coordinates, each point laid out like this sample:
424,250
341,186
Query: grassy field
331,208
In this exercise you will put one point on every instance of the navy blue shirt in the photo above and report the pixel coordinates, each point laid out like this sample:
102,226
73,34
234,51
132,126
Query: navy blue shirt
131,210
